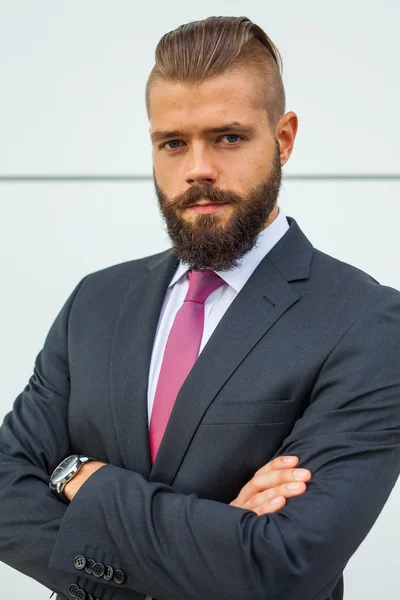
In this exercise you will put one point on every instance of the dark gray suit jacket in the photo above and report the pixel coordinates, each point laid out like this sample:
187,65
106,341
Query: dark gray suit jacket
305,361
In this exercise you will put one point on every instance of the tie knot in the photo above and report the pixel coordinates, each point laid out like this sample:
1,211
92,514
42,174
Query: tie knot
202,284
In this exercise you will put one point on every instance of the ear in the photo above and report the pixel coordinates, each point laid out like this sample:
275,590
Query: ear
286,130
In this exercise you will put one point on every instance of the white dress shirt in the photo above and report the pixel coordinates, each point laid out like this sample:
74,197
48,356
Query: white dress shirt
217,302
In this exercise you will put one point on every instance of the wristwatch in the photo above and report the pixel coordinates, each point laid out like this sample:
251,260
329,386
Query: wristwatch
66,470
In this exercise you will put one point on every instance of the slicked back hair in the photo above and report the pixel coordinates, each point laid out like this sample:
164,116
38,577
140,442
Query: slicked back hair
204,49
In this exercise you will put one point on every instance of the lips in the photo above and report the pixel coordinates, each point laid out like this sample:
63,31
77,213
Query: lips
207,204
206,208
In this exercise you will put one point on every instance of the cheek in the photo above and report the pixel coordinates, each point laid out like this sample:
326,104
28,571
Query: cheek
169,177
244,169
162,173
254,173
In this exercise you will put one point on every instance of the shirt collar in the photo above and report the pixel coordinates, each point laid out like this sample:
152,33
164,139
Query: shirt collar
238,276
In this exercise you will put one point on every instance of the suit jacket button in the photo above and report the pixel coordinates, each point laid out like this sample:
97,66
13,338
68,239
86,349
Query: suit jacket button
89,566
98,569
73,589
89,596
119,576
79,562
108,573
81,595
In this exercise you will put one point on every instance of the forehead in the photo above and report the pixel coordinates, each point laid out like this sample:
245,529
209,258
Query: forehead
230,97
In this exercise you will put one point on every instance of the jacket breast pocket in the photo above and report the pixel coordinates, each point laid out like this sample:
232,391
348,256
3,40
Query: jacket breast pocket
279,411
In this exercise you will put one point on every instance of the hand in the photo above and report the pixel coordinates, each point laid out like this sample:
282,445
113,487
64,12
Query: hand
271,485
86,470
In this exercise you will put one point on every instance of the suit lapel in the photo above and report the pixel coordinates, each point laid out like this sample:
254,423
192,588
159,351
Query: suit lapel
130,361
266,296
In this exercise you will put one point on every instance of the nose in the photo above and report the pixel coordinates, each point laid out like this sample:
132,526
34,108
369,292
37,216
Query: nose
200,168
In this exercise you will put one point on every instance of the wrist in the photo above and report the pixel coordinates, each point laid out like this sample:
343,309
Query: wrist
68,470
72,487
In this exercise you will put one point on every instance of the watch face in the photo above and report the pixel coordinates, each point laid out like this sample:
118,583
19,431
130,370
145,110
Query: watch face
64,468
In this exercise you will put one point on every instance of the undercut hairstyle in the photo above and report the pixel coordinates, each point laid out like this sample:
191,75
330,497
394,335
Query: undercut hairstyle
204,49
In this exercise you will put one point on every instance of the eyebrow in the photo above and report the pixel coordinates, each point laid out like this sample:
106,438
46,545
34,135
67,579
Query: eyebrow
160,135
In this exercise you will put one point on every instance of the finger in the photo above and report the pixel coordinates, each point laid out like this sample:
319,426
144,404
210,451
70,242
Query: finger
264,481
288,490
277,464
281,462
271,506
267,481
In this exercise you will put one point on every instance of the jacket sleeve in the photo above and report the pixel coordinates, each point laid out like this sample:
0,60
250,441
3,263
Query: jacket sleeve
175,546
33,440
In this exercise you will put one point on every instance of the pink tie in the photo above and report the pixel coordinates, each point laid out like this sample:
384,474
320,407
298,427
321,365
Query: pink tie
181,351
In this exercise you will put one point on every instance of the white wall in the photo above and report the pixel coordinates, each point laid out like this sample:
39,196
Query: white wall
71,103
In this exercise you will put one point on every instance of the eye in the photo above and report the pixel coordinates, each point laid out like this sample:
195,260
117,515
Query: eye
172,144
231,138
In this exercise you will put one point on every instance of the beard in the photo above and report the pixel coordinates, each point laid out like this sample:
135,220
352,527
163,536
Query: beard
207,242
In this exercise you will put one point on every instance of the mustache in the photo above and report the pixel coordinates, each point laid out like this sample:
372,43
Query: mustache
205,192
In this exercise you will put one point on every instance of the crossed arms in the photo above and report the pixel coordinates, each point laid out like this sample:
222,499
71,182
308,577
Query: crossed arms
174,545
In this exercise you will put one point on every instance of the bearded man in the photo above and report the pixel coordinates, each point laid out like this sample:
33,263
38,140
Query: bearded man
220,420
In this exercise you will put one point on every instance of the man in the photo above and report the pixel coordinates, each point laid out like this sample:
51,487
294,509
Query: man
190,384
